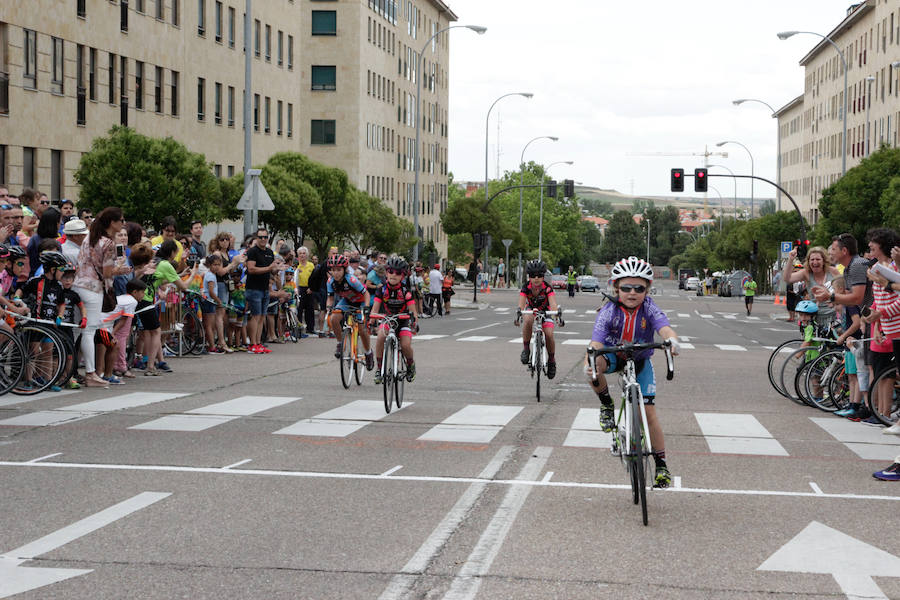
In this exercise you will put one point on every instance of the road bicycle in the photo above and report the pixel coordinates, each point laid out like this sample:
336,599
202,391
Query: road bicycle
47,353
631,439
353,359
884,396
13,357
537,348
393,363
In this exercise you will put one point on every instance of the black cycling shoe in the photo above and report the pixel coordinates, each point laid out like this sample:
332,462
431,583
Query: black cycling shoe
525,356
551,369
370,361
607,418
339,350
410,372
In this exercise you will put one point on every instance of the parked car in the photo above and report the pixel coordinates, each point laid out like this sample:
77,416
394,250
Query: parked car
558,281
692,283
590,283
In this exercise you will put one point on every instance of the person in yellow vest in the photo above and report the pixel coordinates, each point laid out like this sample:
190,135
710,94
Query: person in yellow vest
571,280
169,229
306,305
749,292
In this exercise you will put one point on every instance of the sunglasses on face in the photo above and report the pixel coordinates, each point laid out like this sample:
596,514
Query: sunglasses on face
536,276
6,206
640,289
45,202
393,272
262,237
20,263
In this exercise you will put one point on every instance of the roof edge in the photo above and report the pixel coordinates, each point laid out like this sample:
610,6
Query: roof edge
789,106
442,7
861,9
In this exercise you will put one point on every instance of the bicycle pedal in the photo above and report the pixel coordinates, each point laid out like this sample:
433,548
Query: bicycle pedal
614,450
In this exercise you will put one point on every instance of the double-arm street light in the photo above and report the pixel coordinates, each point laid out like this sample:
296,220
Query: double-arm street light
734,179
487,120
740,101
521,183
477,29
541,221
785,35
751,169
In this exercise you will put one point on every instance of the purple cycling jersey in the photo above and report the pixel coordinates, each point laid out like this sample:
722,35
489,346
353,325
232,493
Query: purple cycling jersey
614,325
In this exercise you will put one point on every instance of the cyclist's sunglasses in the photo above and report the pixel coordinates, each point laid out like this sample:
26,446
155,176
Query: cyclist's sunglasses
640,289
536,276
20,263
394,272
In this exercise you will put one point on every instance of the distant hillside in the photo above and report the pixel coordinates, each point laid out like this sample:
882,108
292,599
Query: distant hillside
620,200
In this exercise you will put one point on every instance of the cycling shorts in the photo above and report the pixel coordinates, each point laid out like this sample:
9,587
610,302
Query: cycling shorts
401,328
644,374
345,306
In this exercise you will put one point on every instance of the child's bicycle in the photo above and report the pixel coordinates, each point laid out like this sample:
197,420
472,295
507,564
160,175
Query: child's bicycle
393,363
352,357
537,362
631,440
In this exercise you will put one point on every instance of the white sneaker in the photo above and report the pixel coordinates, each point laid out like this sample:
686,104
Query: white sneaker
894,429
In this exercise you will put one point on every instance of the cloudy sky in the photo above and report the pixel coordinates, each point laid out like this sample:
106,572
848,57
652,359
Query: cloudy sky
615,79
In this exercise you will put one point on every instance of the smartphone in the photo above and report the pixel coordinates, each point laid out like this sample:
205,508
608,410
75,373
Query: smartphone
120,250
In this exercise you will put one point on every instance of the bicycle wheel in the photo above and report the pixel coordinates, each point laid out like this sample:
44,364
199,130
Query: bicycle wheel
346,361
794,361
637,454
46,358
293,325
538,367
359,365
884,397
387,373
774,367
839,389
817,379
400,384
12,361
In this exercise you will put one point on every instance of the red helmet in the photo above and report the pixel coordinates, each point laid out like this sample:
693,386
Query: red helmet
338,260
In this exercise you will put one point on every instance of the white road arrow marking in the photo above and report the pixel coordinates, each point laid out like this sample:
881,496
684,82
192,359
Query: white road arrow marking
852,563
15,579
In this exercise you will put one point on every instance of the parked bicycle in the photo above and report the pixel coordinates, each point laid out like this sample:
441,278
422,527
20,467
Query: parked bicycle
537,362
631,440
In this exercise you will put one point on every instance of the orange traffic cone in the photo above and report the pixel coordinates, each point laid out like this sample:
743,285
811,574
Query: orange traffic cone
487,290
780,301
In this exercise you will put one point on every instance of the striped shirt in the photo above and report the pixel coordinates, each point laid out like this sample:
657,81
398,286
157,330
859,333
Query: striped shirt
888,303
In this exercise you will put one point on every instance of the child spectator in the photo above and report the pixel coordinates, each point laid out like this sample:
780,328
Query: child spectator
126,304
73,302
209,306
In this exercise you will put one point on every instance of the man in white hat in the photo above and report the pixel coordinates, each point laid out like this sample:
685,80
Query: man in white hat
75,231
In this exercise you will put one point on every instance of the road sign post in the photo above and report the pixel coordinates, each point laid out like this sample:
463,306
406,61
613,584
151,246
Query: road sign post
506,243
255,198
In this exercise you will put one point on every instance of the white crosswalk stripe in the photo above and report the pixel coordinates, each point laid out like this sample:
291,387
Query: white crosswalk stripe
579,342
684,315
477,338
730,347
585,431
86,410
476,423
205,417
866,442
341,421
737,434
428,336
705,316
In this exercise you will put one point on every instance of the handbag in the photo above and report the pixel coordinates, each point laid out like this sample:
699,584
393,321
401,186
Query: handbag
108,295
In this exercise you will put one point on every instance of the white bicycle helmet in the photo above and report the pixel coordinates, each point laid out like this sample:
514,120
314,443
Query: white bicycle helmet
632,267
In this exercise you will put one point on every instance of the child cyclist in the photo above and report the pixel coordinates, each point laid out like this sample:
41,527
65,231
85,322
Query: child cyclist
347,294
393,298
633,317
536,294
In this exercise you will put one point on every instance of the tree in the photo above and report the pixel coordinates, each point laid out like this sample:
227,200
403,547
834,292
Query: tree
623,238
767,207
379,228
597,207
148,178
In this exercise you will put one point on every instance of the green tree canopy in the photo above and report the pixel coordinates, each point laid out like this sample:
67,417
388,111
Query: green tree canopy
623,238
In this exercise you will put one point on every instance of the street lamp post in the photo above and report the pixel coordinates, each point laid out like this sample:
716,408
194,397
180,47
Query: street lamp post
777,142
751,169
869,81
785,35
541,218
521,189
721,209
487,120
648,239
477,29
734,179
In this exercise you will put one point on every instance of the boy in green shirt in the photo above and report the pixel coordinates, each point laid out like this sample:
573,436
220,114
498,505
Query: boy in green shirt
749,291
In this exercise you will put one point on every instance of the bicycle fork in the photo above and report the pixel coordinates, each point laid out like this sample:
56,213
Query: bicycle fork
627,415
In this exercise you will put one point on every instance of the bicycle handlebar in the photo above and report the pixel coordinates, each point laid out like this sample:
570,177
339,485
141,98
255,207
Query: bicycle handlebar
630,350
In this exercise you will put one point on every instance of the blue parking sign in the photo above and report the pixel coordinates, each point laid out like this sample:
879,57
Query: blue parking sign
786,247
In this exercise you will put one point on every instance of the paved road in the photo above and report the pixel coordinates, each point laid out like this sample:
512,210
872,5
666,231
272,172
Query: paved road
261,477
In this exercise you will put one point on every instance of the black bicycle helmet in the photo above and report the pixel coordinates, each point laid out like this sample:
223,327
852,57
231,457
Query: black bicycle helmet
398,264
17,252
68,268
53,258
536,267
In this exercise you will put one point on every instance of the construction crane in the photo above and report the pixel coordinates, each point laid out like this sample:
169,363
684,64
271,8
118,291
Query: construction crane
705,154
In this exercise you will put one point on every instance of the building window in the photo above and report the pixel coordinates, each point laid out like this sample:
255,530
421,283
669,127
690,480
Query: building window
201,17
158,91
268,43
324,22
57,80
174,92
218,114
230,170
175,12
80,92
230,106
30,59
257,32
160,10
290,120
2,162
280,48
219,21
139,85
92,74
123,15
28,167
201,99
290,53
279,130
256,112
268,114
80,12
231,27
56,175
322,132
112,78
324,77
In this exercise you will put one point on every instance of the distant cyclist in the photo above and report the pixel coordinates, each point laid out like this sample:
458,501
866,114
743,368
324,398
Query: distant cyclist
633,318
536,294
393,298
346,294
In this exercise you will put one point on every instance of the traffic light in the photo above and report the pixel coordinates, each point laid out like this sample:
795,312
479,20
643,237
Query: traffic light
755,246
551,189
569,188
478,241
677,180
802,246
700,180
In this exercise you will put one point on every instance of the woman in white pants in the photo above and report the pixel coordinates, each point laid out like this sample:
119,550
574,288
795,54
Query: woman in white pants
97,257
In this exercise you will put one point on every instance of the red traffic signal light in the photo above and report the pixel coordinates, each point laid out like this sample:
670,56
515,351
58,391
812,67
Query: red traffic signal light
677,180
701,181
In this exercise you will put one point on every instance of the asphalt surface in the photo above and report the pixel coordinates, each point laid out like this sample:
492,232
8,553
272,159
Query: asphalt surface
298,488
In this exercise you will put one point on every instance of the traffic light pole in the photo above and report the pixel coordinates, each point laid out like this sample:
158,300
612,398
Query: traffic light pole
775,185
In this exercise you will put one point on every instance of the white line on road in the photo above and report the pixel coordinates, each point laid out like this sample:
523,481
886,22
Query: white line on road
815,488
42,396
728,433
34,460
401,583
239,463
77,412
547,476
206,417
428,336
477,338
730,347
392,470
459,333
465,585
476,423
340,421
430,479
